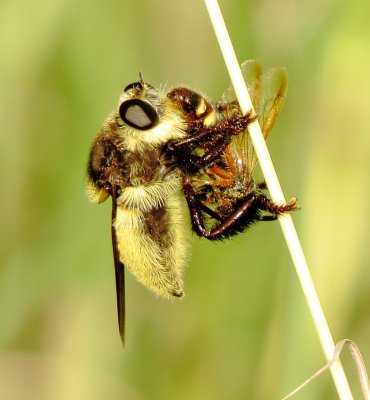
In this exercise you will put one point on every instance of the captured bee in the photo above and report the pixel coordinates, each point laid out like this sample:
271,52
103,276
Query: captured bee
156,146
223,194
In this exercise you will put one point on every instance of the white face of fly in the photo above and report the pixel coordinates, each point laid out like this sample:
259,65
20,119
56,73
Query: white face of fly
146,116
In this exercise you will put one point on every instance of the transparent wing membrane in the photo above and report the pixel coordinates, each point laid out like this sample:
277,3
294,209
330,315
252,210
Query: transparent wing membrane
267,91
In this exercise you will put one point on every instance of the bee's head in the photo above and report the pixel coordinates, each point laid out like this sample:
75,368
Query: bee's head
194,106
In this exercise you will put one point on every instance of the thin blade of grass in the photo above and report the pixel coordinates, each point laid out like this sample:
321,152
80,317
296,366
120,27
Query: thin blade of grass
360,366
277,196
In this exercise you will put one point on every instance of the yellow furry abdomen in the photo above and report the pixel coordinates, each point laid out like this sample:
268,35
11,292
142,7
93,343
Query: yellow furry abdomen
151,240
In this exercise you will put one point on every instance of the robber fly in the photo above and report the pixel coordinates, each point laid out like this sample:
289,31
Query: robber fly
156,146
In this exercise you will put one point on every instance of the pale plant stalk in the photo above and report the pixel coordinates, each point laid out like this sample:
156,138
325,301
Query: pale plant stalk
277,196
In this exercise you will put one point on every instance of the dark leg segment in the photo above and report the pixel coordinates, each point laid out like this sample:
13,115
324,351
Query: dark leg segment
273,208
227,127
267,218
213,139
245,214
208,211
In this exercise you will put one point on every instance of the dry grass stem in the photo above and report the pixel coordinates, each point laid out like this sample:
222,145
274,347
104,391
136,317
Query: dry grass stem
277,196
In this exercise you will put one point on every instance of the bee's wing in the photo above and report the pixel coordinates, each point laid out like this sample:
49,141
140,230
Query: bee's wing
119,271
275,86
252,73
267,92
241,148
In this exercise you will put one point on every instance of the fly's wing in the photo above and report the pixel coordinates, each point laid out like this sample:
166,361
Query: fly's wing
119,271
267,92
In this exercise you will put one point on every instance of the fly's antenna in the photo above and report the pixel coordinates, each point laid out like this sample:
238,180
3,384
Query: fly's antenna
143,84
141,78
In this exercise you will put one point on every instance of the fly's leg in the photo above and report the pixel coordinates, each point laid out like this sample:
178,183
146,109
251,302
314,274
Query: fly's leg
239,219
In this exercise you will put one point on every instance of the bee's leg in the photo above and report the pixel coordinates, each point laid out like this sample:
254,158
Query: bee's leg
262,185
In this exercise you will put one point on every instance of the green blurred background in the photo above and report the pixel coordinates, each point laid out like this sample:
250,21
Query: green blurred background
243,331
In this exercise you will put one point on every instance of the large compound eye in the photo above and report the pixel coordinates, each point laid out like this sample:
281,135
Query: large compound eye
139,114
